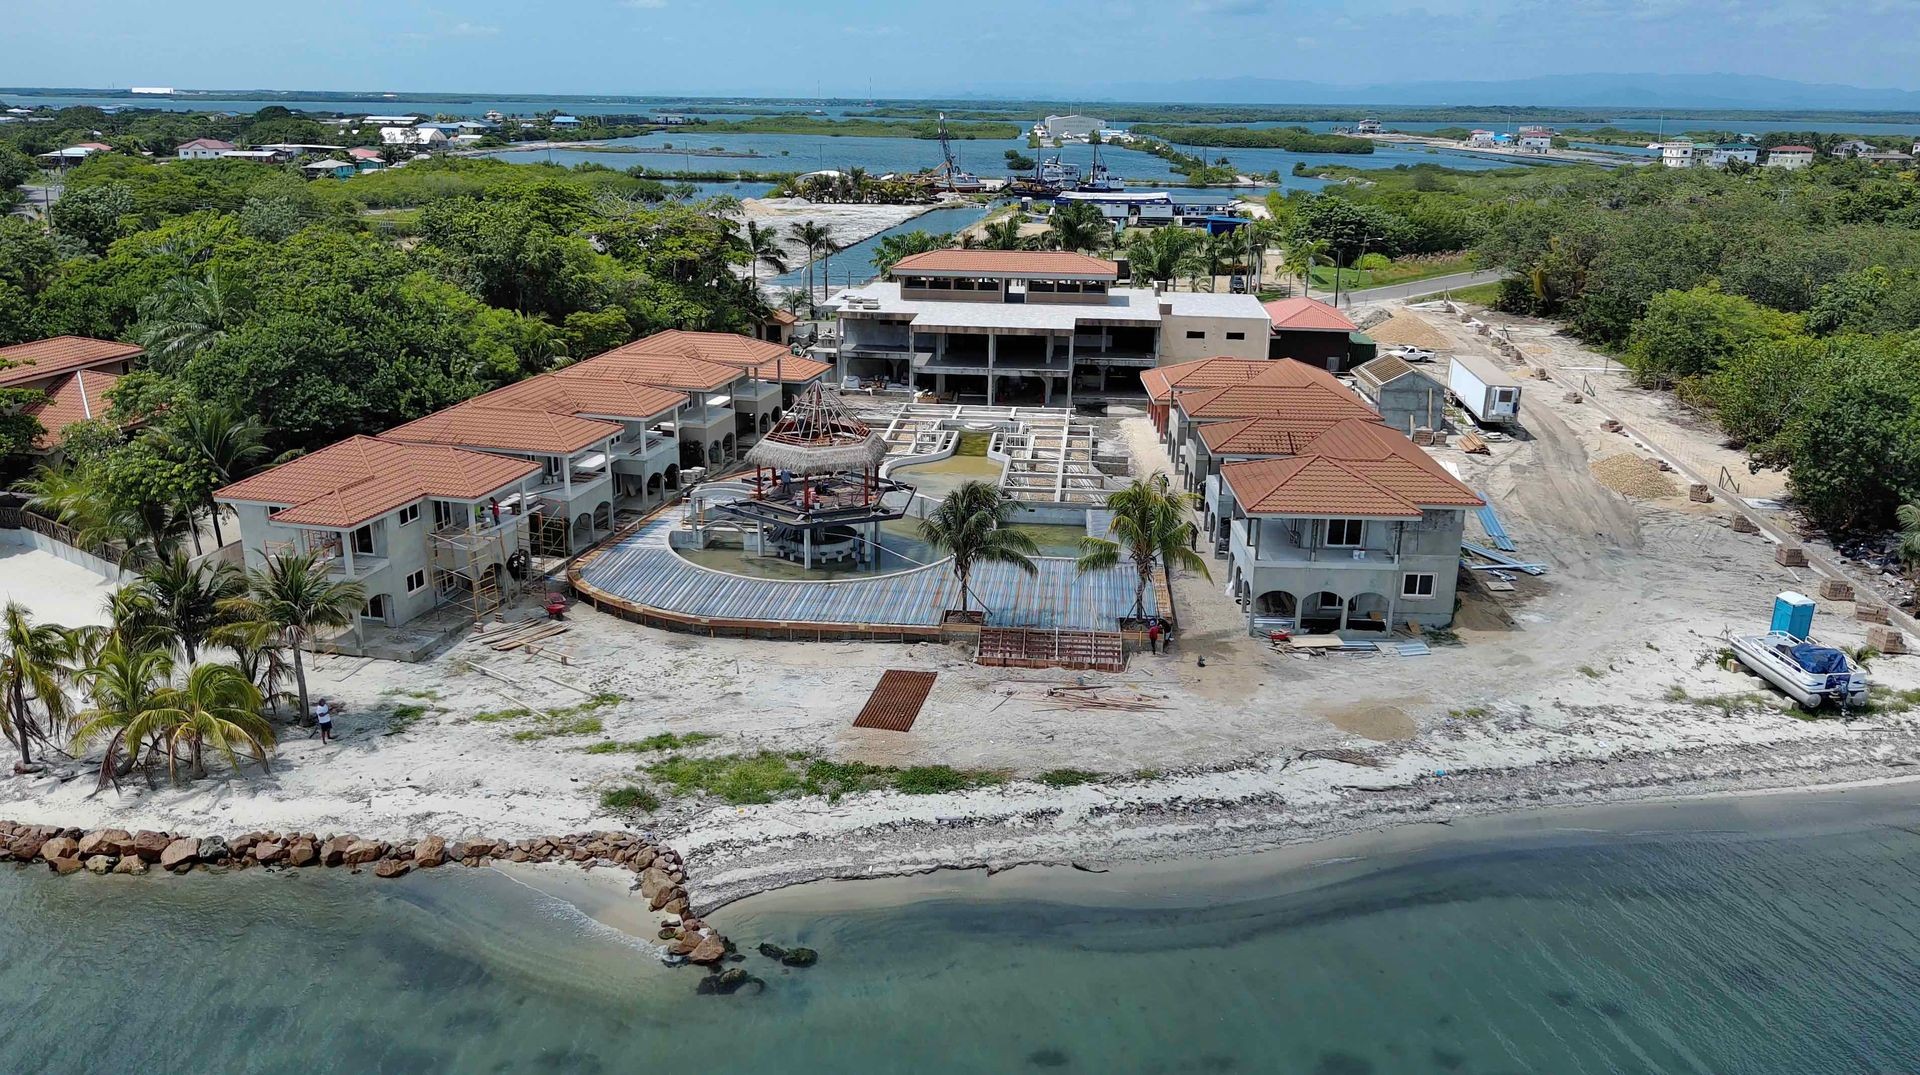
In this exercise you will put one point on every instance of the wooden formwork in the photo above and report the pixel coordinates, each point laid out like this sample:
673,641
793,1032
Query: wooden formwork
1017,647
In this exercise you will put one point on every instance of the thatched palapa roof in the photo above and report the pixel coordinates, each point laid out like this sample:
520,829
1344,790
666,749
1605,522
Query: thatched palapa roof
818,436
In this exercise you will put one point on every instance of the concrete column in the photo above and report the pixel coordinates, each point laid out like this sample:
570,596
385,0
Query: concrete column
346,555
806,546
993,350
1070,363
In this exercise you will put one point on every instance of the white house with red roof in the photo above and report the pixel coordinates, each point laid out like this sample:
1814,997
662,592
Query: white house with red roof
203,149
1356,530
74,373
1790,157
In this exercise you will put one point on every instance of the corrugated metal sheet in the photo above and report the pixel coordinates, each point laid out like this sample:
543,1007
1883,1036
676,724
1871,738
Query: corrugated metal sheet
1491,524
641,568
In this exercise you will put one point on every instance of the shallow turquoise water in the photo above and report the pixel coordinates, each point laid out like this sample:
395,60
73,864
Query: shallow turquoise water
1744,945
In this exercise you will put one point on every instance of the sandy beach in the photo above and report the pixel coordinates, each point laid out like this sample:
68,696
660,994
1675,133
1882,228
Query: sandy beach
848,224
1600,681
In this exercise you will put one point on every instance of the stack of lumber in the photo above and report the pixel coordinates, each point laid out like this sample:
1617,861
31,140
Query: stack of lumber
532,636
1886,639
1096,696
1472,444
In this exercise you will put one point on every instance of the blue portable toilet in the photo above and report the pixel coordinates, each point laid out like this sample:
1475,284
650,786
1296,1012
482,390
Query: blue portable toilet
1793,614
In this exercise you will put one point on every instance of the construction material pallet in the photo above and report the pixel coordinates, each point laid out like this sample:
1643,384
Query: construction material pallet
896,700
1017,647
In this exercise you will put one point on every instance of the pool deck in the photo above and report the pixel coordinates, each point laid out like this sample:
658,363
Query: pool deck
637,573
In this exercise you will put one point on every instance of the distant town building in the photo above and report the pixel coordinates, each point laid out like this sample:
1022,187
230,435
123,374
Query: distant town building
1535,139
1853,147
329,169
201,149
1073,126
494,116
1483,139
413,136
1886,158
1789,156
391,121
152,91
1677,153
1369,125
567,122
1719,156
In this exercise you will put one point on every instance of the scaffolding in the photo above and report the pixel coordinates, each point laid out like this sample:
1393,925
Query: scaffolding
1051,458
471,568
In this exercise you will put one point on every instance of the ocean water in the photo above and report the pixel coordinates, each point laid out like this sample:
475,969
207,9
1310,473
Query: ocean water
854,264
1715,938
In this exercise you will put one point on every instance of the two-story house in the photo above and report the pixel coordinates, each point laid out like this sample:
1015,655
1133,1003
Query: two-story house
1359,530
1030,327
73,373
1282,389
416,525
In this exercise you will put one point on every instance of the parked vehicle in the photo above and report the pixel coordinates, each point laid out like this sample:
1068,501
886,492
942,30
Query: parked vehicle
1237,285
1810,673
1484,389
1407,352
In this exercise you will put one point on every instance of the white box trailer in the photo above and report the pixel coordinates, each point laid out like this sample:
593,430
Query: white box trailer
1484,389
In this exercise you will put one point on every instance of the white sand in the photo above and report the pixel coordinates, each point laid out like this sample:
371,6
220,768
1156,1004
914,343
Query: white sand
1560,692
54,590
849,224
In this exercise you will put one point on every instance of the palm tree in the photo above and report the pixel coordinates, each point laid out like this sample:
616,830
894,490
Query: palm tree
187,315
818,239
258,648
216,705
1908,548
970,525
1149,524
889,249
1079,227
125,682
1302,257
35,666
763,246
218,438
1163,254
1003,234
188,598
293,593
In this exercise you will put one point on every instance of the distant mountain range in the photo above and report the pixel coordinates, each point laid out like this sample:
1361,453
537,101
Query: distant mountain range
1567,91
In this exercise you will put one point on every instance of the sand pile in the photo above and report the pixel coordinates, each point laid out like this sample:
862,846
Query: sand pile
1411,329
1634,476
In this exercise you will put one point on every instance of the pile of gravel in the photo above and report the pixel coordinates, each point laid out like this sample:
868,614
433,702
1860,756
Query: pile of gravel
1634,476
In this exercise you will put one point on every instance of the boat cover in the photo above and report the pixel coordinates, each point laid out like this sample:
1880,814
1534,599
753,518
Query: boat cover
1819,660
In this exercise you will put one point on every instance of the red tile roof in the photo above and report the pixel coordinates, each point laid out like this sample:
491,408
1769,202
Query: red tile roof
1355,468
206,143
586,395
1006,262
762,358
75,398
1256,400
1308,314
25,362
1276,435
508,429
1163,382
362,478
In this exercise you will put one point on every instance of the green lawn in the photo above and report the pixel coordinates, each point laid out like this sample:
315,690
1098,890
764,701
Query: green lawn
1479,294
1402,271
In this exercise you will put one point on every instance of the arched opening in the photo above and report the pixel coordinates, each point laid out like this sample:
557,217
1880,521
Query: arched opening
716,454
672,476
653,487
766,423
1367,612
727,445
1322,611
603,517
1276,603
582,531
692,453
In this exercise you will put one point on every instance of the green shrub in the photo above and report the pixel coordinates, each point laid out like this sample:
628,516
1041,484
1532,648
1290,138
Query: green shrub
629,799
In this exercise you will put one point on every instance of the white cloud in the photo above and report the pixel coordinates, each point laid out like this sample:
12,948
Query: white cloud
469,29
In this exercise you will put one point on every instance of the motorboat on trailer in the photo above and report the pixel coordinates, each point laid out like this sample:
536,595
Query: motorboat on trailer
1810,673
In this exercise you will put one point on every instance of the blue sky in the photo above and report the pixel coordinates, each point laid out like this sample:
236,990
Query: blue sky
906,48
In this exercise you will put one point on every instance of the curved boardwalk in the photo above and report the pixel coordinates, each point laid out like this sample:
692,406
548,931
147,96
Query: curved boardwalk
637,571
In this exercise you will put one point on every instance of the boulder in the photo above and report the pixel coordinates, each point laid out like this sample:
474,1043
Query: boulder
334,851
654,881
684,943
26,847
517,855
130,864
676,906
666,896
772,951
430,852
360,852
472,849
800,957
644,857
214,849
148,844
104,842
710,950
60,847
268,852
180,854
65,864
302,852
99,863
392,868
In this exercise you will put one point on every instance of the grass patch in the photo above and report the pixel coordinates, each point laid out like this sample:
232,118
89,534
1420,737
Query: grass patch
1067,778
1591,672
1478,294
1146,774
663,741
404,717
1885,701
1440,636
629,799
496,715
1728,704
768,775
563,720
1472,712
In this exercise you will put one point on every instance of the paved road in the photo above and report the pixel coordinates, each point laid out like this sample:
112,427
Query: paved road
1433,285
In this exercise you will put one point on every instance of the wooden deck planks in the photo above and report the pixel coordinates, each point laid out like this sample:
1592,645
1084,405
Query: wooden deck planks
896,701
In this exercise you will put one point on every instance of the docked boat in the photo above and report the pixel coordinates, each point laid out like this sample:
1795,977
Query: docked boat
1058,174
1810,673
